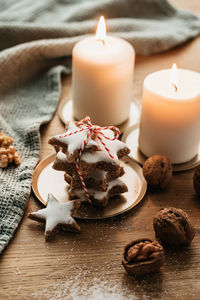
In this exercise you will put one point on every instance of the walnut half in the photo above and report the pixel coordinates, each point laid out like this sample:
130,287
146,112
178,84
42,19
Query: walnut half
142,256
5,140
8,153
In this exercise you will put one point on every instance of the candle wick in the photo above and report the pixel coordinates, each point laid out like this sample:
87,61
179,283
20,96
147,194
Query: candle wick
175,87
101,41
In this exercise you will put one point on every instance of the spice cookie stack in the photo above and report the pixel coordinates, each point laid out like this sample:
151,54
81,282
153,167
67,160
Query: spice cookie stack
90,157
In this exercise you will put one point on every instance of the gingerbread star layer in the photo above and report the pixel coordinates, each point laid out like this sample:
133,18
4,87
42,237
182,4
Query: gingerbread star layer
57,216
71,142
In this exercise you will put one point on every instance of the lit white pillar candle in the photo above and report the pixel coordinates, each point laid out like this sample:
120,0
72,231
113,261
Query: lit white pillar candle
170,119
102,78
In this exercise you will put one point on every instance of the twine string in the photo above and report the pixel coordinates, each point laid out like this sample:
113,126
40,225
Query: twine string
86,125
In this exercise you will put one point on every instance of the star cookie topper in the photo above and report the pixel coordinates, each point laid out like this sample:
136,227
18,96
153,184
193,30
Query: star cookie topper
57,216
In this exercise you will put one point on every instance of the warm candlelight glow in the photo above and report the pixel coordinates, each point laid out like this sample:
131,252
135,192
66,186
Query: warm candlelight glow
101,31
174,77
102,78
170,117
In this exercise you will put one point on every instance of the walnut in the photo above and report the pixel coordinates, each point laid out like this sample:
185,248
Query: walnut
8,153
142,256
5,140
3,161
17,158
196,180
157,171
173,228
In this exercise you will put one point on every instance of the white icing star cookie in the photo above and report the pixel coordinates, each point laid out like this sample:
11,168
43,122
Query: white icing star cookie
71,143
101,198
57,216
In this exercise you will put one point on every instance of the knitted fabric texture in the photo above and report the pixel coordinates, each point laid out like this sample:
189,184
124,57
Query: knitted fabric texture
36,42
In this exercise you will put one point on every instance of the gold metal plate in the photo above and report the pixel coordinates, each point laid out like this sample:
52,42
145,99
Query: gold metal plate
130,137
47,180
65,112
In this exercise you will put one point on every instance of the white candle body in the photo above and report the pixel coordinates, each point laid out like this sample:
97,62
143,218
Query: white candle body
102,80
170,120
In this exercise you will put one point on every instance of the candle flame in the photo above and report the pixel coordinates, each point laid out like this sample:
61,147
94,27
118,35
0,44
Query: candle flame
101,31
174,77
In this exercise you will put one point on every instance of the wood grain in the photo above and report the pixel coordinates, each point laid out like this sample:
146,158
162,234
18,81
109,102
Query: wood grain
33,269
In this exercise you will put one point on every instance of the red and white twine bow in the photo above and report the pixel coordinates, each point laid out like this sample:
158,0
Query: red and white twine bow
86,125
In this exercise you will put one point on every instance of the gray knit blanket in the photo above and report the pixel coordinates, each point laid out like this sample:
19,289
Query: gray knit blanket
36,40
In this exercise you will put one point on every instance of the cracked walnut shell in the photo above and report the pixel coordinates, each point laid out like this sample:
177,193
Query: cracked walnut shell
157,171
173,228
142,256
196,180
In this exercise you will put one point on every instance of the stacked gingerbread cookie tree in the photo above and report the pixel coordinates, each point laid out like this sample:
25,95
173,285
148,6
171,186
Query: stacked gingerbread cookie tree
89,155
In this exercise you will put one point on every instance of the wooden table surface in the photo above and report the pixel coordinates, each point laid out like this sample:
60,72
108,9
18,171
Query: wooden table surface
90,262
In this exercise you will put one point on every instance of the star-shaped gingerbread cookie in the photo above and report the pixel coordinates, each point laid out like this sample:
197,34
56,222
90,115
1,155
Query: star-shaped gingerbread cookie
57,216
71,142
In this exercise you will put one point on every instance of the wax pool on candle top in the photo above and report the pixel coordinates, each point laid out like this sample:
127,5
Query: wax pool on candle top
187,85
102,80
170,119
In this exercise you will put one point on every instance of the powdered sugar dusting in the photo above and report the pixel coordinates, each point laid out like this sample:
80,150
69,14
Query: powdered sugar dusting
100,289
95,282
80,287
